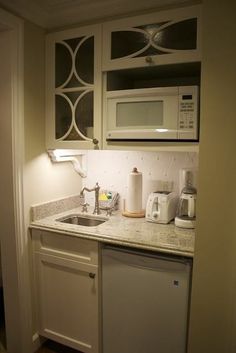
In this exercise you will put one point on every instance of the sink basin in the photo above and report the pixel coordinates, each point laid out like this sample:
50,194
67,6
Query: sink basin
82,220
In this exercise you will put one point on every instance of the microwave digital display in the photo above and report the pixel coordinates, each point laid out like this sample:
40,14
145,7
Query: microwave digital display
187,97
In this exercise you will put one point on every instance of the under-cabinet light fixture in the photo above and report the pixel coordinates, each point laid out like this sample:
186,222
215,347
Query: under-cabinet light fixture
68,156
161,130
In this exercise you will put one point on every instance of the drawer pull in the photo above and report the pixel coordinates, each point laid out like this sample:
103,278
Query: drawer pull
92,275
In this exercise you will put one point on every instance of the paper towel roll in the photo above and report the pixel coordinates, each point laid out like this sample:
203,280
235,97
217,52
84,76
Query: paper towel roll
134,196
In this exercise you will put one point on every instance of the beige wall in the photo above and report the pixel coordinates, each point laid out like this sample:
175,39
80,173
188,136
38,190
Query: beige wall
7,217
5,128
212,324
43,181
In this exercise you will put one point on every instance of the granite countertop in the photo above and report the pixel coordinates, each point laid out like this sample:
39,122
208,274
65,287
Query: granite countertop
120,230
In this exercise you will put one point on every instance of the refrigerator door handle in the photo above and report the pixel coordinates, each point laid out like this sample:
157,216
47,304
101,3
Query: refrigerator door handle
142,253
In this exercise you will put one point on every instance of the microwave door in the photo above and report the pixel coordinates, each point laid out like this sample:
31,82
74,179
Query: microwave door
170,114
154,118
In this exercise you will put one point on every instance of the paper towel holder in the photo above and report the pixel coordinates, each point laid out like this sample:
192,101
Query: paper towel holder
136,214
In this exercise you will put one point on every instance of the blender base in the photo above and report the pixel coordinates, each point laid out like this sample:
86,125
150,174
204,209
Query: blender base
185,223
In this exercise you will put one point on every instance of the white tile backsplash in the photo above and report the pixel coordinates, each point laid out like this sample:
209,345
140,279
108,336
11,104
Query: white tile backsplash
111,168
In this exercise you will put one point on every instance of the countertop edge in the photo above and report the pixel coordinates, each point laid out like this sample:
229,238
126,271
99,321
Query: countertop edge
111,240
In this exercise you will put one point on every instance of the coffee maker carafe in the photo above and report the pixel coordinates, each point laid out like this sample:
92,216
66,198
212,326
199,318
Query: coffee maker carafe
186,211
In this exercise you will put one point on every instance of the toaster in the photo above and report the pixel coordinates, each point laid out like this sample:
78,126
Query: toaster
161,207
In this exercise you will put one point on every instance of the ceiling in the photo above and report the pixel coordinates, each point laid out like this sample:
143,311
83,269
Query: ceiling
51,14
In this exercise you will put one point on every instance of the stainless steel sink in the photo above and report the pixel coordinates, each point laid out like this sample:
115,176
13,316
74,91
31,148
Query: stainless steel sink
82,220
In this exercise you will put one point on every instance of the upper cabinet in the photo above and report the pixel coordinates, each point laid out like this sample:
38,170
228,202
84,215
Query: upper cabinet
153,50
165,37
73,88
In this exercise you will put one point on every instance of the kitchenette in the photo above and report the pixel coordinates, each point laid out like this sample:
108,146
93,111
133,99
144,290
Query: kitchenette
121,268
107,180
112,265
113,236
98,276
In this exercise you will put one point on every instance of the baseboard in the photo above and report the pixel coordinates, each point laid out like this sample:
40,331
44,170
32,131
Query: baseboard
37,341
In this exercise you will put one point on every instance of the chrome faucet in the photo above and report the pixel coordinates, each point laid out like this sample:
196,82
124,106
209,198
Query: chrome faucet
96,189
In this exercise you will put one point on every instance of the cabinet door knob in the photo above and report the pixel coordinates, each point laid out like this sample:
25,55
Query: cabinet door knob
95,141
149,60
92,275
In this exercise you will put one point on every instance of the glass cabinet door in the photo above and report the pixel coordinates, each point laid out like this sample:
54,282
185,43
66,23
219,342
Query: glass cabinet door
161,38
154,39
75,88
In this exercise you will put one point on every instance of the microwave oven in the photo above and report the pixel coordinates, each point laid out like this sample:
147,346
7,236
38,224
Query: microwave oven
153,114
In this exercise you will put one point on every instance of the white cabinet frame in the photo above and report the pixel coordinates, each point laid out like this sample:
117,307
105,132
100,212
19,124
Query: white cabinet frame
51,90
176,56
66,287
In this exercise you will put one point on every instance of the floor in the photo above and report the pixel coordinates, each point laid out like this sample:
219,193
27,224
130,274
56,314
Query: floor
53,347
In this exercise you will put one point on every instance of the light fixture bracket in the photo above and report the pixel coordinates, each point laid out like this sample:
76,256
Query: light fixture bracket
57,156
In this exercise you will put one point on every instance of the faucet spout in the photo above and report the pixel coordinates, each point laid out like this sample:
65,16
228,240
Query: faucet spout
96,189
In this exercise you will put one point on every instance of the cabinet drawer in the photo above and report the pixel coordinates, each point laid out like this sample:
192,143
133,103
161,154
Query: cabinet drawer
82,250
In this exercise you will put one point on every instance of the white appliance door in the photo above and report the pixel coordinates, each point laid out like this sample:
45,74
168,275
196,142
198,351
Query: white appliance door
154,117
145,303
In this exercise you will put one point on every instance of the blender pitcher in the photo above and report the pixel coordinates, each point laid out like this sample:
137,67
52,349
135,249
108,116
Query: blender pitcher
186,211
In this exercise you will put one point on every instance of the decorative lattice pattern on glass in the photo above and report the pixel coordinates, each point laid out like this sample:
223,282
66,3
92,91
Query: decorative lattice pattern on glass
154,39
74,87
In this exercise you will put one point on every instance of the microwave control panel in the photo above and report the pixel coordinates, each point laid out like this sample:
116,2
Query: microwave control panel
188,115
186,120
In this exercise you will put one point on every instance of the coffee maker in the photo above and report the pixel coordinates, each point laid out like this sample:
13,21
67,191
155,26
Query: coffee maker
186,210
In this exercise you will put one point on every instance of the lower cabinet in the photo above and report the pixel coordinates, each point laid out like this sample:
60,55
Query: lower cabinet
66,278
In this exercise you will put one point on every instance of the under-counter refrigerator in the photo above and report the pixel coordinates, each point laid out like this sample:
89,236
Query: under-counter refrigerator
145,301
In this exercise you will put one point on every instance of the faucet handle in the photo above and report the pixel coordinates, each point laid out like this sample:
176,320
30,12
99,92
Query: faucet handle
109,211
81,198
85,207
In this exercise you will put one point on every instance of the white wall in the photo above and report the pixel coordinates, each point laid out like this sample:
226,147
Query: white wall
111,169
